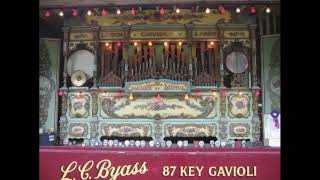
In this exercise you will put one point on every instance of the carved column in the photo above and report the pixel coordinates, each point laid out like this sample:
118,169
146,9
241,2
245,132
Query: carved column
220,45
96,50
189,29
253,55
94,127
66,32
223,134
63,127
126,29
94,96
256,123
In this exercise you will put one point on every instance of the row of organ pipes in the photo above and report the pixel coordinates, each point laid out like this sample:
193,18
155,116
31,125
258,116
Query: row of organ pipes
160,60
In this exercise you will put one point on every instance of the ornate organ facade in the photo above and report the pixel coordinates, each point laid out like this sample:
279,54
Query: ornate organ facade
179,80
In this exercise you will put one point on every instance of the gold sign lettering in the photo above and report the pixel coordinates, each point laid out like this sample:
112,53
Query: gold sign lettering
158,86
233,171
104,170
236,34
204,34
158,34
81,36
111,35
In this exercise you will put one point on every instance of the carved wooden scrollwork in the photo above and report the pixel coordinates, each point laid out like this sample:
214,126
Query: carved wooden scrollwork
191,130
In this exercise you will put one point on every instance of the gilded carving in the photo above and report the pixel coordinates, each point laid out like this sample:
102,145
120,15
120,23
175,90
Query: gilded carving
191,130
79,106
236,34
223,105
125,130
157,129
81,36
78,130
239,105
256,126
223,127
239,129
153,108
94,104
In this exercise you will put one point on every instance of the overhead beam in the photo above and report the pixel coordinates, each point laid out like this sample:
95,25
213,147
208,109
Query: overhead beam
98,3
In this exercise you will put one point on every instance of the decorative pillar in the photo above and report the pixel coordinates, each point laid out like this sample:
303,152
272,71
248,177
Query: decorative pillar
220,45
96,49
66,32
126,29
189,29
94,95
252,29
223,134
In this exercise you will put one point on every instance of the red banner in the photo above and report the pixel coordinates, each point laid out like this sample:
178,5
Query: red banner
73,163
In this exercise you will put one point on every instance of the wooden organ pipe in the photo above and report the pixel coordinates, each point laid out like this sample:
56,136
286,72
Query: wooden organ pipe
166,52
152,58
108,59
202,46
115,60
146,60
102,59
210,59
194,57
172,62
216,62
178,58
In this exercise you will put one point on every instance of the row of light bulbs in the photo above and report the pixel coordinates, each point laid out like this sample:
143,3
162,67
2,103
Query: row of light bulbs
150,43
253,10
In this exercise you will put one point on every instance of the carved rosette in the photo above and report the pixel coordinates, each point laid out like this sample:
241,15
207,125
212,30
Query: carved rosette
239,106
79,106
256,123
223,127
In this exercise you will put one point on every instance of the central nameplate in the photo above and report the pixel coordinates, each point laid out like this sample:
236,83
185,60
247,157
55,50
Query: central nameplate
161,85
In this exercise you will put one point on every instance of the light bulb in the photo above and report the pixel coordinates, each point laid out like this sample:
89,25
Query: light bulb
207,10
178,10
107,44
135,43
268,10
211,43
131,97
118,11
103,12
61,13
89,13
238,10
180,43
104,93
214,93
186,97
149,43
47,14
165,43
162,11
